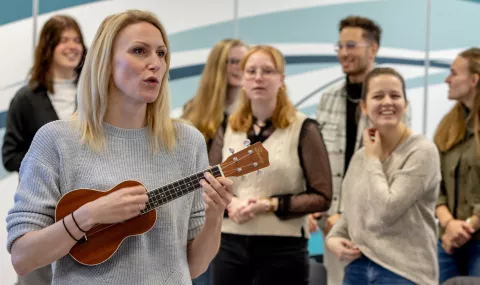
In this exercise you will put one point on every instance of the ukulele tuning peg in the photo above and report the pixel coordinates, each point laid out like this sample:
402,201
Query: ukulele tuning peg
231,150
246,142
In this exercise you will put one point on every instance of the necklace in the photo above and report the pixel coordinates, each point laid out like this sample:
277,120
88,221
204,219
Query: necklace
396,145
355,101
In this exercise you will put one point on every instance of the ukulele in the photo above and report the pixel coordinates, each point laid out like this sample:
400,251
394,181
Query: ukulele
103,240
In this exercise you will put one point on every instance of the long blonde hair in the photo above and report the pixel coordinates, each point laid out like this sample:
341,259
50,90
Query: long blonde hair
93,85
205,111
453,127
284,114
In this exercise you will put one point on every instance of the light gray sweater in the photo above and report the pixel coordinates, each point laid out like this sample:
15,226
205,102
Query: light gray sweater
57,163
390,206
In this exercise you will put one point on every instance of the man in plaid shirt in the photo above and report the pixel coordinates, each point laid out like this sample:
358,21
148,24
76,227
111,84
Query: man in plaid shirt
340,118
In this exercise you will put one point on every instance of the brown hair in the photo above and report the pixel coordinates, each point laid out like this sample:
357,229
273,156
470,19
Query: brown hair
372,30
382,71
453,127
284,114
41,75
205,110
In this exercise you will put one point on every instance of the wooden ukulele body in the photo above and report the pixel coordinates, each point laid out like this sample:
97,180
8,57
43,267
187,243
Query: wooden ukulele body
101,243
103,240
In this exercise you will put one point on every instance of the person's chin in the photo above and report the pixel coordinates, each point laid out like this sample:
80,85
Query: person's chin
452,97
69,65
235,84
259,97
346,70
387,124
148,97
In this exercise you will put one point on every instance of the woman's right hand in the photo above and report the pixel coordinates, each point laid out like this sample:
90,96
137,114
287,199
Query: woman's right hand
235,211
459,232
118,206
343,248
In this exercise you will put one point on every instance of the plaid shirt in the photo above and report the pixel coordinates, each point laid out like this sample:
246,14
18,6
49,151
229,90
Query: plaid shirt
331,115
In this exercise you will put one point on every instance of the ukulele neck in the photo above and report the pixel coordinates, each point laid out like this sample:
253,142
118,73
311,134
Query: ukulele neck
177,189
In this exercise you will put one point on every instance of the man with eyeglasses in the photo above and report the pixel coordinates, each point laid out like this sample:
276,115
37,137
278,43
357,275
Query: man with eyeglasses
339,116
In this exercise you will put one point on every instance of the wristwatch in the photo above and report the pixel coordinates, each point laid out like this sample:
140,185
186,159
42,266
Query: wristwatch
469,221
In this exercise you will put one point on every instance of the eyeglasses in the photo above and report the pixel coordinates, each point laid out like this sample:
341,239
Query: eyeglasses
233,61
264,72
349,46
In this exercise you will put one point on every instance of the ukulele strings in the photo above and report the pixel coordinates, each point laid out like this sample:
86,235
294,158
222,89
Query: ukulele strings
231,163
106,227
227,173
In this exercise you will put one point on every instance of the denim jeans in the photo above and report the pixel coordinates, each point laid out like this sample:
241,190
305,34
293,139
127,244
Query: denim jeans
465,261
203,279
363,271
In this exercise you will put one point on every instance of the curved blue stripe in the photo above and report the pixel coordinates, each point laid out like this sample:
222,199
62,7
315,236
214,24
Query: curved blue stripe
16,10
195,70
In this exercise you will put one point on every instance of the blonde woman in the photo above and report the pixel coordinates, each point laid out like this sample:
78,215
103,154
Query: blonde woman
457,137
264,237
221,80
122,131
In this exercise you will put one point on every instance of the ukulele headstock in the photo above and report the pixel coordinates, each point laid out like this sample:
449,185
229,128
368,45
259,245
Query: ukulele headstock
252,158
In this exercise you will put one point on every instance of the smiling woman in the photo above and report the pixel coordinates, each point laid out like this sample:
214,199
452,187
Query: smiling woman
51,91
50,95
390,187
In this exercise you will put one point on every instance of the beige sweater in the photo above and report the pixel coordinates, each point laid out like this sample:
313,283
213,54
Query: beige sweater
283,176
389,209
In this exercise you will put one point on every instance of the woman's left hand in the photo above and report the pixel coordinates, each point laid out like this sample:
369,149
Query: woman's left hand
447,244
373,148
256,206
218,193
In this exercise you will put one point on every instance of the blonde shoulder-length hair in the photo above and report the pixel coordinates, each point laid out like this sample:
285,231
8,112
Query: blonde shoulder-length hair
205,111
96,76
453,127
242,119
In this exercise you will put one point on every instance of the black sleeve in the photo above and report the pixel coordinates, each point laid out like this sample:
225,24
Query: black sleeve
15,144
316,169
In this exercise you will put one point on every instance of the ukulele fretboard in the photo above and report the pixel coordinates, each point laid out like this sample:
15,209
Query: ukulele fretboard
179,188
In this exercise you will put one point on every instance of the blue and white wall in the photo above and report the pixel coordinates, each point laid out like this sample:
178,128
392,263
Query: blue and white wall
305,30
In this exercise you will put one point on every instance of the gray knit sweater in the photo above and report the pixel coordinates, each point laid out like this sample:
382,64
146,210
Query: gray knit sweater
389,209
57,163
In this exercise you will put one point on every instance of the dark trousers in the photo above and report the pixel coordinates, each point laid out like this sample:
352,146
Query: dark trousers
261,260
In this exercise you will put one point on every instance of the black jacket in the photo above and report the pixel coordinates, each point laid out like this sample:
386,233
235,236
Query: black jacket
29,111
